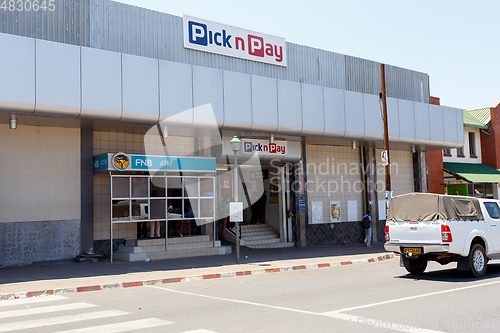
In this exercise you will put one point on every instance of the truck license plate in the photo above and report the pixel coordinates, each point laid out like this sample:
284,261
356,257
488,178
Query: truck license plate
415,250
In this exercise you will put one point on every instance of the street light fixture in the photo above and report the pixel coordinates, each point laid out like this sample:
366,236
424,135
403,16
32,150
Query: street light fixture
235,146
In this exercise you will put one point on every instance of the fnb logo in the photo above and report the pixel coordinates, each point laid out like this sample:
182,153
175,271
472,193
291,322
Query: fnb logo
231,41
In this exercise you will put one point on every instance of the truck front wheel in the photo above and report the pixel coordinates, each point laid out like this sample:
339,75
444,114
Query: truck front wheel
477,257
417,266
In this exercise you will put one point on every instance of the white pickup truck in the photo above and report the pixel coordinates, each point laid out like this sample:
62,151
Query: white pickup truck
445,229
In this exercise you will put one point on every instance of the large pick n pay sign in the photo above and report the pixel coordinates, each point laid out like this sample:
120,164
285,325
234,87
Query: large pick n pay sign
207,36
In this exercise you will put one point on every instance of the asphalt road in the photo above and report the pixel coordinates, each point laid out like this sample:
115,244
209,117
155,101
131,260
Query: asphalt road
375,297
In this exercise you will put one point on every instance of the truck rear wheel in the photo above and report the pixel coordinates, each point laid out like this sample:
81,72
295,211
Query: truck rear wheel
417,266
477,257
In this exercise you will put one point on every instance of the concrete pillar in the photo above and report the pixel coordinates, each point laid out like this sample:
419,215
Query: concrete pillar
302,180
371,195
87,187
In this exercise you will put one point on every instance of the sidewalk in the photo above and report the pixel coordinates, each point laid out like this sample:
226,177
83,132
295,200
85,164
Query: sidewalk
44,279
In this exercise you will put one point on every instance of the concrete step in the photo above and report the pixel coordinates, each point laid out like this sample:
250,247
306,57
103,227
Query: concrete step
131,249
130,256
261,237
257,233
249,243
173,253
145,242
265,229
197,245
173,240
254,227
188,239
186,253
272,245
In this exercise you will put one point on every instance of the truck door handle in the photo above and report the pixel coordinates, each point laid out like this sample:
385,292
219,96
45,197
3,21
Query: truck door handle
493,225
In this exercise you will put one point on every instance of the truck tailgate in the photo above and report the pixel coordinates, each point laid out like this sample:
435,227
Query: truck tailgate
428,232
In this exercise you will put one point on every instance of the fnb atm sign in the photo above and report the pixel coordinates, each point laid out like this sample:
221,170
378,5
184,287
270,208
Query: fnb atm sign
213,37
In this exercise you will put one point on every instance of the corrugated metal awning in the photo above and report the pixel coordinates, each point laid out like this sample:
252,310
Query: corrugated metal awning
473,172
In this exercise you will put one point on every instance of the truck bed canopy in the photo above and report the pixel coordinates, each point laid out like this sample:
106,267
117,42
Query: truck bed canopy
431,207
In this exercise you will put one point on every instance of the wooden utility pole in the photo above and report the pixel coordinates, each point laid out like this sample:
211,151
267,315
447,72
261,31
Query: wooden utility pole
386,133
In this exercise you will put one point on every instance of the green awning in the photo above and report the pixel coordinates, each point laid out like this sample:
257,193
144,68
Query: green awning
476,173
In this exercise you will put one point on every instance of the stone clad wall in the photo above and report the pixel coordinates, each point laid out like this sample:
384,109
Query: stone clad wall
26,242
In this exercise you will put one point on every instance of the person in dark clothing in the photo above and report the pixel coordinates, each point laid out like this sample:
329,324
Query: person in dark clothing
367,226
258,210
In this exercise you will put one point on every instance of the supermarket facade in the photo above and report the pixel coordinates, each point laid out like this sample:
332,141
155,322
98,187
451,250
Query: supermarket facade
112,116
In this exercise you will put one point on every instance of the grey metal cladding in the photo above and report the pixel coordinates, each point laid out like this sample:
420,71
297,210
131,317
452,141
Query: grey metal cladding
313,112
451,128
436,121
68,23
264,104
128,29
17,81
407,84
334,105
237,100
362,75
101,84
422,124
118,27
176,92
393,118
57,81
374,126
354,115
208,89
460,126
289,107
406,121
140,94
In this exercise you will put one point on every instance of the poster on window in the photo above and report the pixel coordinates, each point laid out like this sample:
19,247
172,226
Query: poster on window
226,182
334,211
317,212
274,194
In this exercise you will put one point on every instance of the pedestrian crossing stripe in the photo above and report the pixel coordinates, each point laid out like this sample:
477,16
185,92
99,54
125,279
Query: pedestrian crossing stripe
47,309
27,324
18,301
140,324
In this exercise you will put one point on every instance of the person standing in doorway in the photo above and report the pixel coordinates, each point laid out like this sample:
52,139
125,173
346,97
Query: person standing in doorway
259,210
224,213
154,229
367,226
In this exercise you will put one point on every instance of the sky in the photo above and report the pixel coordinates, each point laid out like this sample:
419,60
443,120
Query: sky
455,42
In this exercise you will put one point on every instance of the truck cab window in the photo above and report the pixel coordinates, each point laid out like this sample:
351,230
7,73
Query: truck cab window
493,210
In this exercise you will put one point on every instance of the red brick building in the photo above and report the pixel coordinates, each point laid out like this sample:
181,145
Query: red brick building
435,165
472,169
490,139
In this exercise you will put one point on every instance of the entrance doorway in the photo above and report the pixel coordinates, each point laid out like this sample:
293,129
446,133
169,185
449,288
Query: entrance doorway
266,202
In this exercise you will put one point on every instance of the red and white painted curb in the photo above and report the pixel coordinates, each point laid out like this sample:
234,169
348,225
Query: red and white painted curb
188,278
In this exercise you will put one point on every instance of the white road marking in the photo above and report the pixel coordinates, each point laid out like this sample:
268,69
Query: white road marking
24,325
199,331
410,298
337,313
234,300
12,302
140,324
377,323
46,309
